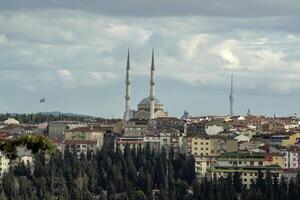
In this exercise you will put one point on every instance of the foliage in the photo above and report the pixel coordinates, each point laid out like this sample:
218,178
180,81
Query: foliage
35,143
42,117
137,174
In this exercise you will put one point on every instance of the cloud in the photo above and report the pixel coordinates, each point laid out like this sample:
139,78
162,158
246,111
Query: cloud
66,77
30,88
64,73
190,46
137,8
79,49
225,51
269,57
3,40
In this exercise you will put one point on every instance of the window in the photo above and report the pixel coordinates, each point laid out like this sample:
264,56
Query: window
245,180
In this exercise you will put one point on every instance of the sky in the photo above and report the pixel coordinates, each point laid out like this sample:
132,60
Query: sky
73,54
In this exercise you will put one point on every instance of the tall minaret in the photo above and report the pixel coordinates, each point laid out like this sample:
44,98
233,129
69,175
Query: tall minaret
231,95
152,87
127,96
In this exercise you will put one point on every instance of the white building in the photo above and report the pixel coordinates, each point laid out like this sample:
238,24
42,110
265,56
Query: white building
242,138
82,146
241,118
203,164
290,159
11,121
214,129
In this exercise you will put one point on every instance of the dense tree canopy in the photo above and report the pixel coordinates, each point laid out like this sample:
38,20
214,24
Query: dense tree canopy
135,174
42,117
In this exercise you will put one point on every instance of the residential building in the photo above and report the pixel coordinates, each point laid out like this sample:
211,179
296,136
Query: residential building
291,158
86,133
167,123
246,163
131,141
272,159
203,164
212,146
242,138
291,140
10,121
56,129
81,147
135,127
215,127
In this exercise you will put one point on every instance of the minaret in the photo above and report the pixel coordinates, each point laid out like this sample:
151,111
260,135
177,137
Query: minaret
127,96
231,96
152,87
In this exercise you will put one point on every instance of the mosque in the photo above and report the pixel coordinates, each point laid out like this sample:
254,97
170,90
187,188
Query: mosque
148,108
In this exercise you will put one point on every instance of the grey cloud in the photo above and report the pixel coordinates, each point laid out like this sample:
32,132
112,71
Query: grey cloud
233,8
191,68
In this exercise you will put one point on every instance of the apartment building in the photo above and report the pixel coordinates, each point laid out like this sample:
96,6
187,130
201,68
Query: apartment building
81,146
272,159
291,158
86,133
203,164
131,141
212,145
56,129
248,164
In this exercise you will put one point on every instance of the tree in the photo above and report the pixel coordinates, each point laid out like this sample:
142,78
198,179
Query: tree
35,143
237,182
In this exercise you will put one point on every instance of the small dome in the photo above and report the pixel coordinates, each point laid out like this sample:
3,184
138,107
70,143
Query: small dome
146,101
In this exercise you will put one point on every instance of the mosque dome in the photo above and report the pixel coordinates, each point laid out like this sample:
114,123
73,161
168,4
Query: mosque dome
145,104
146,101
